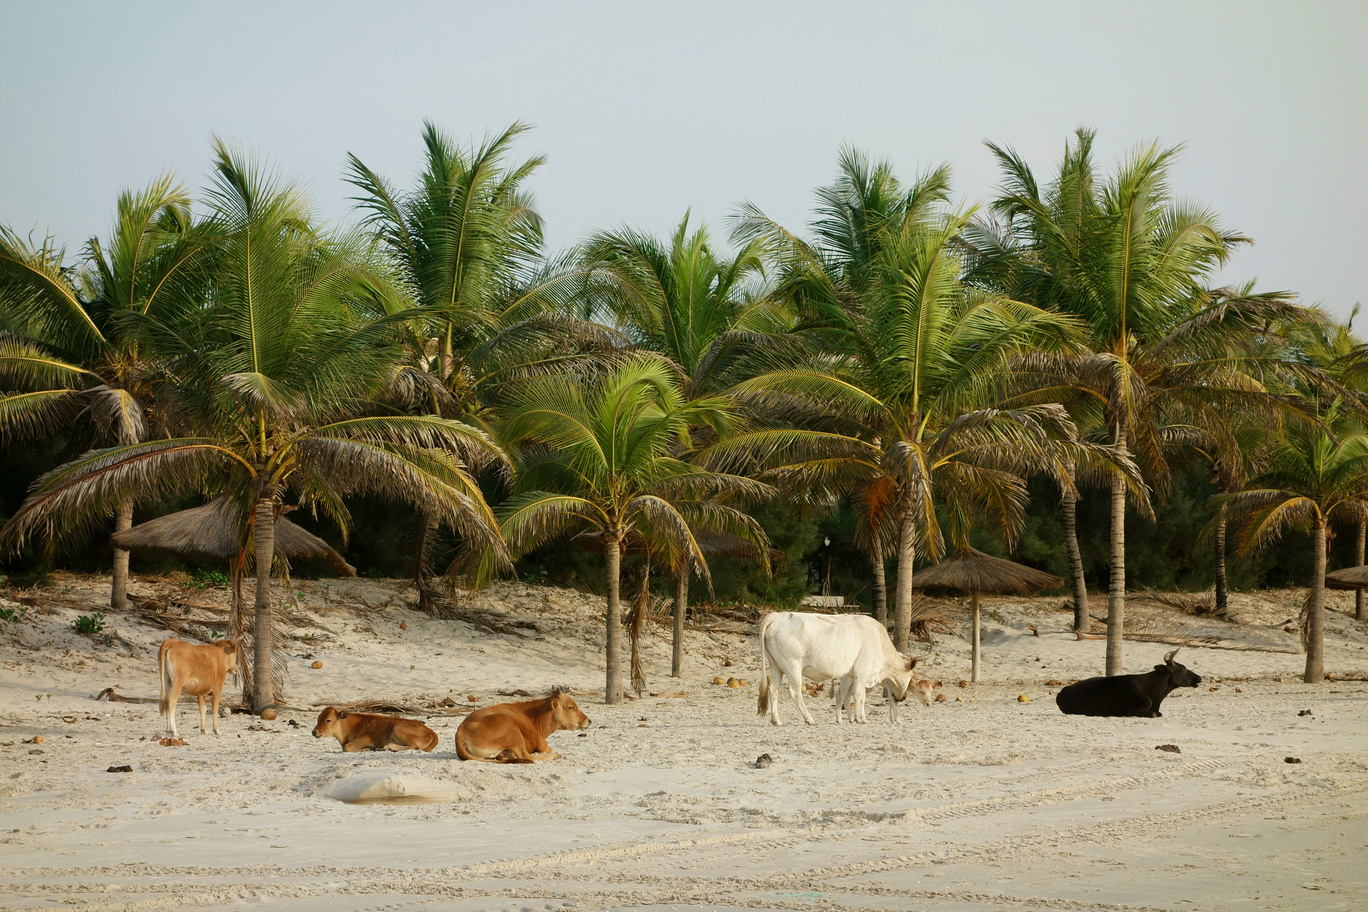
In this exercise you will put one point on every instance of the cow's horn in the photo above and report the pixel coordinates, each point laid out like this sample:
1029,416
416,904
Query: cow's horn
1169,658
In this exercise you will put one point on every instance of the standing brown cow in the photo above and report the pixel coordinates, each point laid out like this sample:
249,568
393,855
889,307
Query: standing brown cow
516,732
196,670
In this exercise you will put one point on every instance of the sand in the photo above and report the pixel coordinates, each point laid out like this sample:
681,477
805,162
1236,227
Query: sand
978,802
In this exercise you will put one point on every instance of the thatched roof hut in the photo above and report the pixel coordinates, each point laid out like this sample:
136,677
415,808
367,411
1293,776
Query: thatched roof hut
213,532
1348,578
975,572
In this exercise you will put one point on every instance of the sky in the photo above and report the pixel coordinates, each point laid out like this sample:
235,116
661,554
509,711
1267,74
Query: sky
647,111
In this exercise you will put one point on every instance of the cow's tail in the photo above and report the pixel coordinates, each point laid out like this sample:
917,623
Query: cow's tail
762,705
164,702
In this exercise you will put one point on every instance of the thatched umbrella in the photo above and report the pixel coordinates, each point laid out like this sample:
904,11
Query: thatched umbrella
212,531
975,572
1348,578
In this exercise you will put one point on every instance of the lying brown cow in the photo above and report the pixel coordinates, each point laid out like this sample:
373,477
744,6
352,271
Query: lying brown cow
364,731
196,670
516,732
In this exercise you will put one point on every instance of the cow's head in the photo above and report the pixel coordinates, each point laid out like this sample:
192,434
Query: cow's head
565,713
327,723
908,682
921,689
1179,675
232,649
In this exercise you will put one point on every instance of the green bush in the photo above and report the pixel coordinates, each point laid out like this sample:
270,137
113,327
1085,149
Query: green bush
208,579
89,624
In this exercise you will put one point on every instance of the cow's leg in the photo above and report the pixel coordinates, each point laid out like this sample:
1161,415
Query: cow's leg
1138,704
797,691
175,705
204,726
218,691
538,747
358,745
838,693
860,690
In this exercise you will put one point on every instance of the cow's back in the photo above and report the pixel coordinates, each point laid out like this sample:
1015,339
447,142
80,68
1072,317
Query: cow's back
1098,696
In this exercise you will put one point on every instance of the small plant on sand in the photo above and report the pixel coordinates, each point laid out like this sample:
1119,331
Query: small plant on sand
208,579
89,623
13,614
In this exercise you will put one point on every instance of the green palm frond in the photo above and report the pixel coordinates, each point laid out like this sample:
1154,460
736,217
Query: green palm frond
88,489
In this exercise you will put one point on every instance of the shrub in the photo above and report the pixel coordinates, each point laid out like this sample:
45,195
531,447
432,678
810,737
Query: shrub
207,579
89,624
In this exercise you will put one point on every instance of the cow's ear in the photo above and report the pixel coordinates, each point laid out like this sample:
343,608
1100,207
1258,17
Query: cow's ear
911,662
344,713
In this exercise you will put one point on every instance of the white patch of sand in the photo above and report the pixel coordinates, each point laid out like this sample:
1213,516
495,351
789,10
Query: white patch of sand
978,802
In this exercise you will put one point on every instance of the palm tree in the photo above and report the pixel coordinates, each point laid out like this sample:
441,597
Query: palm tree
467,242
1314,476
76,357
901,404
598,453
272,375
694,307
1336,349
1131,262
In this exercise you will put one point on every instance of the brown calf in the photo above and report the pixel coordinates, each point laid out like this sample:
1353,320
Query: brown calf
364,731
516,732
196,670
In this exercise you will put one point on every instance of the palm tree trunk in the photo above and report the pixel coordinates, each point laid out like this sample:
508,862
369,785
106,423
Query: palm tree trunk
612,691
426,536
974,658
902,618
1080,586
118,592
1222,593
876,561
1116,591
681,605
638,615
264,639
1315,610
1360,607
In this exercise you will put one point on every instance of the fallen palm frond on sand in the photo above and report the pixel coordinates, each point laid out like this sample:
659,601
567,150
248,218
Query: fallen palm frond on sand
1207,642
445,707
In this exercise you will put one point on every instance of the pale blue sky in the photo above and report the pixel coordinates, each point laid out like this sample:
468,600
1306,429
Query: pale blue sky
648,109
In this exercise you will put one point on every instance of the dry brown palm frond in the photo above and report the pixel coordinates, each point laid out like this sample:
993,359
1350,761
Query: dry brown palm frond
1194,603
928,614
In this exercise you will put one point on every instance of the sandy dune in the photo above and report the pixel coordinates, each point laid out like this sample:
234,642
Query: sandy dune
978,802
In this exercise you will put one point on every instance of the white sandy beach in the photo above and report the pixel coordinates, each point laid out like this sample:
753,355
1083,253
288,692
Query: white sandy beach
978,802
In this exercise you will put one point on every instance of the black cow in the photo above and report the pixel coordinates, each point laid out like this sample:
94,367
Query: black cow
1127,695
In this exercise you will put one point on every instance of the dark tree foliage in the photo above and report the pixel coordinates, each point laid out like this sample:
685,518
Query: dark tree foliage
1161,555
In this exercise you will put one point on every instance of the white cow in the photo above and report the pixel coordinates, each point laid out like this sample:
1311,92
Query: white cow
824,646
920,688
